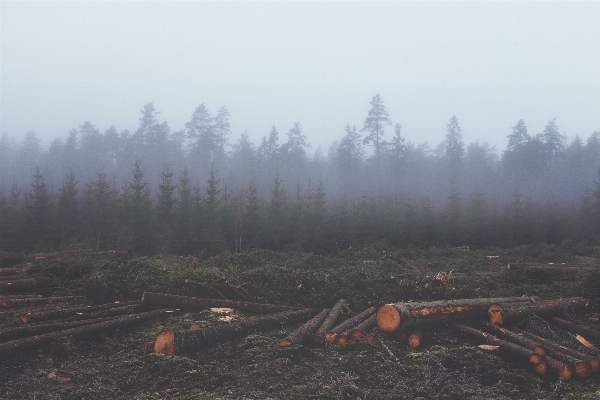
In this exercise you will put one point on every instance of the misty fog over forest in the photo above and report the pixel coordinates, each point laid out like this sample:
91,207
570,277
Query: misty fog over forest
202,189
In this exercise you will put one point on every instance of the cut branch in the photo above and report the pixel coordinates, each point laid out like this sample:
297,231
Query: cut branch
23,331
81,312
16,284
303,333
514,338
362,328
553,266
331,335
331,319
33,301
200,303
171,342
9,271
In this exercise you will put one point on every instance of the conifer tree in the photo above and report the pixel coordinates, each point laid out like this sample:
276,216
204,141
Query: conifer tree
183,235
252,218
165,209
39,211
137,208
213,231
276,228
376,119
68,211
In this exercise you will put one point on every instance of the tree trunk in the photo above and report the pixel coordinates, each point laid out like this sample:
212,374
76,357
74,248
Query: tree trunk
391,317
513,349
360,329
518,311
553,266
200,303
303,333
171,342
331,335
23,331
415,338
473,275
33,301
577,328
16,284
16,345
331,319
9,271
514,338
579,362
81,312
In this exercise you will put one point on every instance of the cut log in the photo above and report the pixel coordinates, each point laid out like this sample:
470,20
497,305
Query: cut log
9,271
171,342
553,266
514,338
513,349
582,364
201,303
406,316
23,331
34,341
586,331
361,329
81,312
33,301
303,333
331,335
414,339
456,276
17,284
331,319
517,312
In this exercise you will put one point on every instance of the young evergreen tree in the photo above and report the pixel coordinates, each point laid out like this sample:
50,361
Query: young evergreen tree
453,217
183,235
68,211
39,213
99,213
213,237
165,210
276,235
252,219
137,211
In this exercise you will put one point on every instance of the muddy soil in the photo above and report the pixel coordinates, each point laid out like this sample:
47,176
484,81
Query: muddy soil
121,364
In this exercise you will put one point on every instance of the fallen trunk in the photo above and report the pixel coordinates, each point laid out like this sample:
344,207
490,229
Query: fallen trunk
577,328
171,342
28,330
82,312
16,345
33,301
331,335
553,266
514,338
200,303
391,317
9,271
515,350
303,333
583,364
362,328
331,319
517,312
16,284
473,275
415,338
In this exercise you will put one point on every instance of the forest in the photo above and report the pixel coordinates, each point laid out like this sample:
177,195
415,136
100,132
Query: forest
199,191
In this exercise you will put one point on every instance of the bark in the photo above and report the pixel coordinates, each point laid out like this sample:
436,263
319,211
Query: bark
406,316
33,301
361,329
517,312
553,266
415,338
81,312
331,335
9,271
34,341
171,342
331,319
515,338
510,348
16,284
23,331
200,303
577,328
303,333
582,364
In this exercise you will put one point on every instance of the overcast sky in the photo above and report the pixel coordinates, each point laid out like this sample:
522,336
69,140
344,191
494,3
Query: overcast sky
318,63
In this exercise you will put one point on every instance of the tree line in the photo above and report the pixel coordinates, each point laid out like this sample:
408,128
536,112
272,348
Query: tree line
192,191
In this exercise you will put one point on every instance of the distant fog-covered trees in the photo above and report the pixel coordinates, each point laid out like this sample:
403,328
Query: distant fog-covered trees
199,190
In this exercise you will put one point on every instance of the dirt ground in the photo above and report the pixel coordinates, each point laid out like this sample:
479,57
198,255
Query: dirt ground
122,365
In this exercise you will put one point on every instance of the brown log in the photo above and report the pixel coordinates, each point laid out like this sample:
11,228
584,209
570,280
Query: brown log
472,275
577,328
9,271
80,311
531,301
406,316
514,313
582,364
415,338
514,338
553,266
22,331
16,345
361,329
33,301
331,319
200,303
171,342
508,347
303,333
20,296
331,335
16,284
